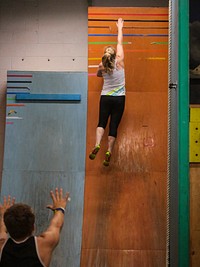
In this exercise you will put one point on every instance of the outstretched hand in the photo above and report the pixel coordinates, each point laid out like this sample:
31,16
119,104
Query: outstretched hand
59,201
7,203
120,23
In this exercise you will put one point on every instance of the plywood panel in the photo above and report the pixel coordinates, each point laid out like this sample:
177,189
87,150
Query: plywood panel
194,216
100,257
125,205
142,136
114,211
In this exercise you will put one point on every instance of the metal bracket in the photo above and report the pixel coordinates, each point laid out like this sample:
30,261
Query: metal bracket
173,85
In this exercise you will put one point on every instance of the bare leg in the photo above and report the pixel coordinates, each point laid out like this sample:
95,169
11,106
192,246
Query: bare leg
111,142
99,135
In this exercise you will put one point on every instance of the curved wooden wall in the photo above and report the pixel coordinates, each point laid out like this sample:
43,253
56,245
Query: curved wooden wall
124,221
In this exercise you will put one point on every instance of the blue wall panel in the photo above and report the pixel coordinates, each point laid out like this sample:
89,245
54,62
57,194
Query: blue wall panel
44,148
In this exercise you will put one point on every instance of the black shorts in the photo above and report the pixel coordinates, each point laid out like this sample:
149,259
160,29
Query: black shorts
113,107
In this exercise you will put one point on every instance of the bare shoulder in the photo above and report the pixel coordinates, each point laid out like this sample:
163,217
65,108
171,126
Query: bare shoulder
45,246
2,243
48,239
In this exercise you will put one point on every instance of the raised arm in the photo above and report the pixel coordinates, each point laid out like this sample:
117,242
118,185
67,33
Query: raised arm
120,50
52,233
7,203
49,239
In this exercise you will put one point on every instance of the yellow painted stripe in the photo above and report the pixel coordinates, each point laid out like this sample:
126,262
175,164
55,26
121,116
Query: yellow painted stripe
94,58
156,58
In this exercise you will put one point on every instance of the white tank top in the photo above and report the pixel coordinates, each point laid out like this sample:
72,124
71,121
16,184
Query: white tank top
114,83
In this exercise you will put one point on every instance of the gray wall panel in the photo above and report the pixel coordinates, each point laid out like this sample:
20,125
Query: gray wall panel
46,149
47,132
33,188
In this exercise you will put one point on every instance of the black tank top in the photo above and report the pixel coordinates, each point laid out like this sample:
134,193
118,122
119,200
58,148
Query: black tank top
20,254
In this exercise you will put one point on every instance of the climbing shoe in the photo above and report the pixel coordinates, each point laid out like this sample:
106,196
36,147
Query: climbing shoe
94,152
106,161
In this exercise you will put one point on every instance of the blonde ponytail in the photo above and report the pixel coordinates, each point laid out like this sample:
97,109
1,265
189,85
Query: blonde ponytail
108,59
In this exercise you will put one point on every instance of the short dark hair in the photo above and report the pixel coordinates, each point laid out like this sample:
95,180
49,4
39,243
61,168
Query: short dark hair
19,220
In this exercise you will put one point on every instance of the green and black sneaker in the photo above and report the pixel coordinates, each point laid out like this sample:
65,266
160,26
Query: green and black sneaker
94,152
106,161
